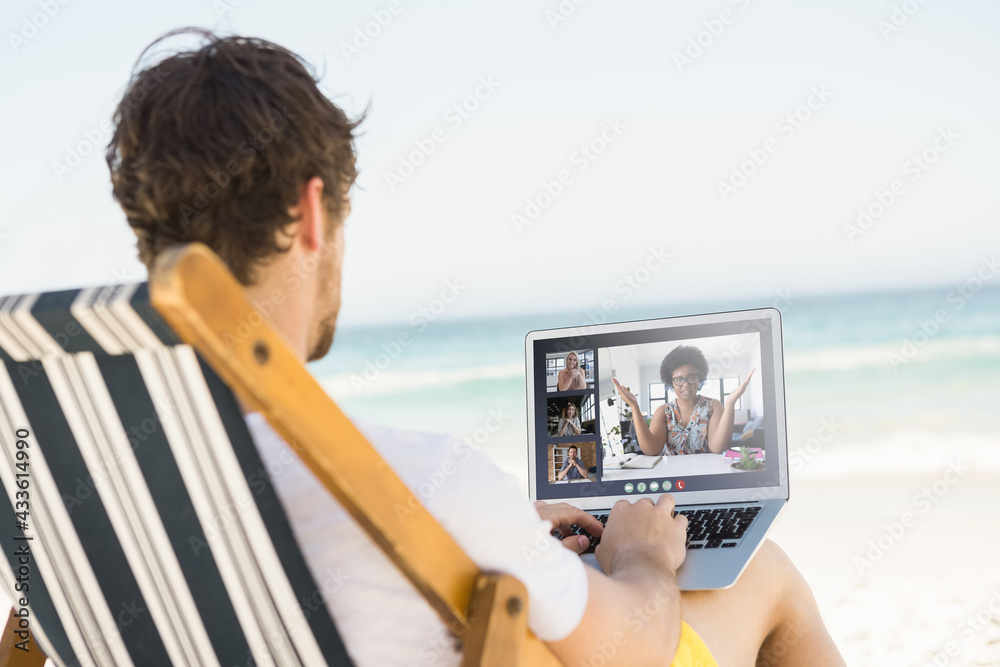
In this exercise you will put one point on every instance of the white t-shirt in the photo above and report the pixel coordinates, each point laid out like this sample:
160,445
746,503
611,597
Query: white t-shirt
381,617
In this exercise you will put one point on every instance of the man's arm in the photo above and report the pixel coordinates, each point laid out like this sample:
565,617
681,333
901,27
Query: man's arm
634,610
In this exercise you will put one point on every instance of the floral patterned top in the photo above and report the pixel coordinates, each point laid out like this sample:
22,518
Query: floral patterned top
692,438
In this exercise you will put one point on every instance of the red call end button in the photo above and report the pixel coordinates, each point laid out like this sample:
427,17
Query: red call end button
680,485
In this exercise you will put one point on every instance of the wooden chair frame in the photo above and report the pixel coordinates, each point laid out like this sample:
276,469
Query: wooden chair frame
205,306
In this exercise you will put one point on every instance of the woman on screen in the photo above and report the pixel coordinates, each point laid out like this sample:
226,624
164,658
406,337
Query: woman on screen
569,423
572,377
691,423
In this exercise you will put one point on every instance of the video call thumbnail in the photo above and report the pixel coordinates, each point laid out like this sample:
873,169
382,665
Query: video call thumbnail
570,416
568,371
572,462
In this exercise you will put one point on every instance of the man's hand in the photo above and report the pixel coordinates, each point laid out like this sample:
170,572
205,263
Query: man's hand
642,531
564,517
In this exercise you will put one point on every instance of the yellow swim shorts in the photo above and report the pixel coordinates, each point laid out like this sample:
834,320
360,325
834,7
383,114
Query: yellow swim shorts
692,651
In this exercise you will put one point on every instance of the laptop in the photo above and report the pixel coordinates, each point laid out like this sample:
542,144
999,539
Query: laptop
584,447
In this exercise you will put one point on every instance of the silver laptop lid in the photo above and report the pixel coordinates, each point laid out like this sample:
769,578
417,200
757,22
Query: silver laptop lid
581,409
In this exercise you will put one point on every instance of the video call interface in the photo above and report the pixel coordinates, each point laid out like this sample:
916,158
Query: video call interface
670,410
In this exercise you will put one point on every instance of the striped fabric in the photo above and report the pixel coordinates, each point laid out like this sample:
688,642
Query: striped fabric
154,533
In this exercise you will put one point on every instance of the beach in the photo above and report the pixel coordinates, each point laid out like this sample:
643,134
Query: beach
923,594
894,456
894,453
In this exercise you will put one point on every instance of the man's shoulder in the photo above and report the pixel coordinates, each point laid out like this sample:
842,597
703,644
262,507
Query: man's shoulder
418,458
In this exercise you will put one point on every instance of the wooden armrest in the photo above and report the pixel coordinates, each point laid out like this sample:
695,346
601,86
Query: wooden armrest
18,647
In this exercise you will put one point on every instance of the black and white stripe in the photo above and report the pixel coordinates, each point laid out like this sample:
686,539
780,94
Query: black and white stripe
20,334
107,453
134,471
269,614
108,316
53,638
56,548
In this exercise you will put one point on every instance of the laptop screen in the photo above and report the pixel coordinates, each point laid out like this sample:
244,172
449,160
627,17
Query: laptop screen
694,408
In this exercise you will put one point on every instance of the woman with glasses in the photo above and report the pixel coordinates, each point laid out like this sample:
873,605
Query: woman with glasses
691,423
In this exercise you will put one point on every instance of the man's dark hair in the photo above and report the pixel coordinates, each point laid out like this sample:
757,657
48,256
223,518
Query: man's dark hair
679,356
214,144
573,447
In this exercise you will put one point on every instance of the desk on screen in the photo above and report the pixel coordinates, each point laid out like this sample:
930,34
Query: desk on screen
686,465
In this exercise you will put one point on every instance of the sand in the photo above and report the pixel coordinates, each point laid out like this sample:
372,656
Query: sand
924,591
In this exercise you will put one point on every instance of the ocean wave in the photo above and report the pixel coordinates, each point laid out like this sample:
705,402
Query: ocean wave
902,452
850,357
388,382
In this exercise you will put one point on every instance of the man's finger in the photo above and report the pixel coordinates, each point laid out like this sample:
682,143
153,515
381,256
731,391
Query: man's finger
590,523
574,516
666,500
576,543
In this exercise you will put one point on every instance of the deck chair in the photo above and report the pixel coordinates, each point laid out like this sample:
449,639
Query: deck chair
149,532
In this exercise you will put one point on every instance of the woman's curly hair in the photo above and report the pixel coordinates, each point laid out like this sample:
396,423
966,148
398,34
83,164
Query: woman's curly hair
680,356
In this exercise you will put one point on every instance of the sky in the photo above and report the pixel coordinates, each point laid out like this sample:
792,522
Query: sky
526,157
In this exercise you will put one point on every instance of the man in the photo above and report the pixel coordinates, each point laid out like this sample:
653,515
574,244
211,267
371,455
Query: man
232,145
572,469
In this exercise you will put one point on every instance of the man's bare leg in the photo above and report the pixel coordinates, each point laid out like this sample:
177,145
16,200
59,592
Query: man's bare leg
769,618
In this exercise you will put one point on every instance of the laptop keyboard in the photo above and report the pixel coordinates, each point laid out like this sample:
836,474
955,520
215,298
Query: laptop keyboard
718,528
710,528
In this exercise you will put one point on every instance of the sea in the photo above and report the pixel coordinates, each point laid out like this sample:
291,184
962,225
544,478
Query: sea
880,383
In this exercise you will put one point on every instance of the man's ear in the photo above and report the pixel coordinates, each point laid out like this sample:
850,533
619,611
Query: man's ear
312,215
